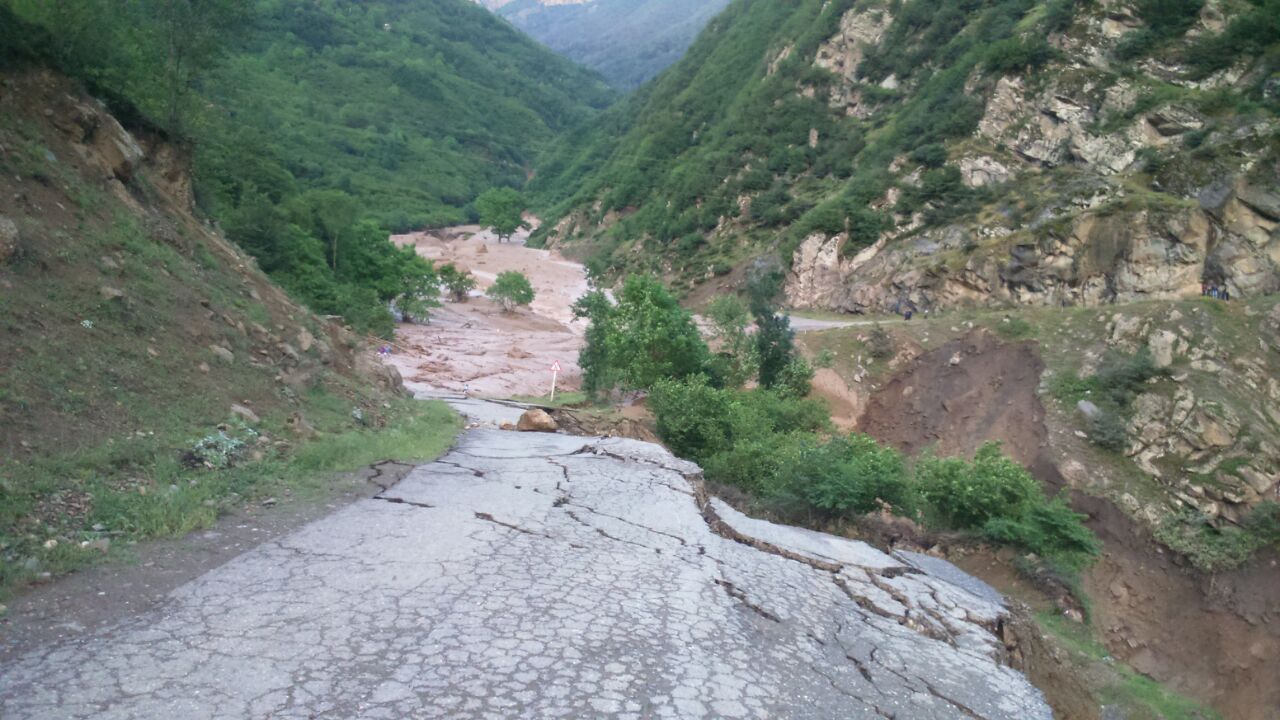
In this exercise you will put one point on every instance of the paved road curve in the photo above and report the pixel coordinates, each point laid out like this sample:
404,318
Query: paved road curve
542,576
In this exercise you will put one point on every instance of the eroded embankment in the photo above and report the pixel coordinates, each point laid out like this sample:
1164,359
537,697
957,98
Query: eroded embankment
1214,637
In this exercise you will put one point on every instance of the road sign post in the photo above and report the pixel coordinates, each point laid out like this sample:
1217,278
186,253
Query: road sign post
555,371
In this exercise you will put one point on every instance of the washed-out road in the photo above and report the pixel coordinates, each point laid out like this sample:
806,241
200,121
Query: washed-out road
528,575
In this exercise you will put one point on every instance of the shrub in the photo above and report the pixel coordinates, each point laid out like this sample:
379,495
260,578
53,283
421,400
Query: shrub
644,338
1016,55
458,283
511,289
775,346
967,495
693,418
933,155
736,360
795,378
880,343
1049,529
854,475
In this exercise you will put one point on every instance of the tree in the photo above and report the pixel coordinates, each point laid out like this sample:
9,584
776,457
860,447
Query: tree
511,289
644,338
775,346
736,359
501,210
190,35
458,282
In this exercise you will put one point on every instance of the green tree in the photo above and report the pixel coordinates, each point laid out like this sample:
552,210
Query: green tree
736,359
651,337
511,289
593,358
191,34
458,282
501,210
643,338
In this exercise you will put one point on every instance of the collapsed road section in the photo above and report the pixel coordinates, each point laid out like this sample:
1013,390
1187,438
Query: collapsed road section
539,575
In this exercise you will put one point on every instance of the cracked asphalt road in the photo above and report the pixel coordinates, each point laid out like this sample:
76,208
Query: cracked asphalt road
541,576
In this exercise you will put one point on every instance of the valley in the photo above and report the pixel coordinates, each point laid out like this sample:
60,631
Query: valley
913,359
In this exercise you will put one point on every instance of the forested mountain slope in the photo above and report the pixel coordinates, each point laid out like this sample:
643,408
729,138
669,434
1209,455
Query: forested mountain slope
316,126
928,153
627,41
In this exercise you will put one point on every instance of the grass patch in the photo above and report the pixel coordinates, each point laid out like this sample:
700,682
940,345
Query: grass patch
1140,697
569,398
55,513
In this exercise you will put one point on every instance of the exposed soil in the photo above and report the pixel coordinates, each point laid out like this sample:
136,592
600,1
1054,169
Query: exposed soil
477,348
1215,638
961,395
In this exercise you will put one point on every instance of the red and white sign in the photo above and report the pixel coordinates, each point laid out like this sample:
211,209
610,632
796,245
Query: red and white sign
555,366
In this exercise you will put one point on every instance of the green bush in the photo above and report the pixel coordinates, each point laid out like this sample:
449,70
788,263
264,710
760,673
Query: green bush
511,289
1016,55
853,476
967,495
458,283
1049,529
644,338
1015,329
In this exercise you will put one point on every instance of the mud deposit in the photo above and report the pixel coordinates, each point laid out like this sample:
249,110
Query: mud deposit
476,347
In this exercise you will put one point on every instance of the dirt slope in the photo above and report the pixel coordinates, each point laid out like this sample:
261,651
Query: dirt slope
1213,637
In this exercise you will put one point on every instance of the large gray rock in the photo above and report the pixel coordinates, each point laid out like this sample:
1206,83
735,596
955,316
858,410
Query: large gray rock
537,576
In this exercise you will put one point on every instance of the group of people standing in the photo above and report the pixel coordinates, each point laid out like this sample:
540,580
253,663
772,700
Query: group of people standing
1217,292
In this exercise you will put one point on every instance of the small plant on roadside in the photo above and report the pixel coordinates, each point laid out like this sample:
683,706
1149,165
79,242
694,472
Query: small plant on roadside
221,449
511,289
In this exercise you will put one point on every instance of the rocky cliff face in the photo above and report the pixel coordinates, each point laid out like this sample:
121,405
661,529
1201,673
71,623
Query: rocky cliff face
1101,183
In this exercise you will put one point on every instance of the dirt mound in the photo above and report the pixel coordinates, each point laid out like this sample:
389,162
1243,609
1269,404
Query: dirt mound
955,398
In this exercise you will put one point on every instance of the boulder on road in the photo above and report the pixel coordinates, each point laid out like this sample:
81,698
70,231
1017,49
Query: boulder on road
535,420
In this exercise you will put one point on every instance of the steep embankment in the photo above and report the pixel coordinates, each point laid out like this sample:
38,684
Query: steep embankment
627,42
1177,502
141,354
930,154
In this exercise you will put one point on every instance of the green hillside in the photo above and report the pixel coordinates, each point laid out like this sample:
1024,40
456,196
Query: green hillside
865,120
316,126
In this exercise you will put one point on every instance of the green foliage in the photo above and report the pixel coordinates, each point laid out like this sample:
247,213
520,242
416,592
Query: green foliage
626,41
511,289
1165,21
644,338
1217,549
774,445
1049,529
1017,55
968,495
1119,379
880,344
736,360
458,283
502,211
1254,32
306,118
775,347
853,475
1015,328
